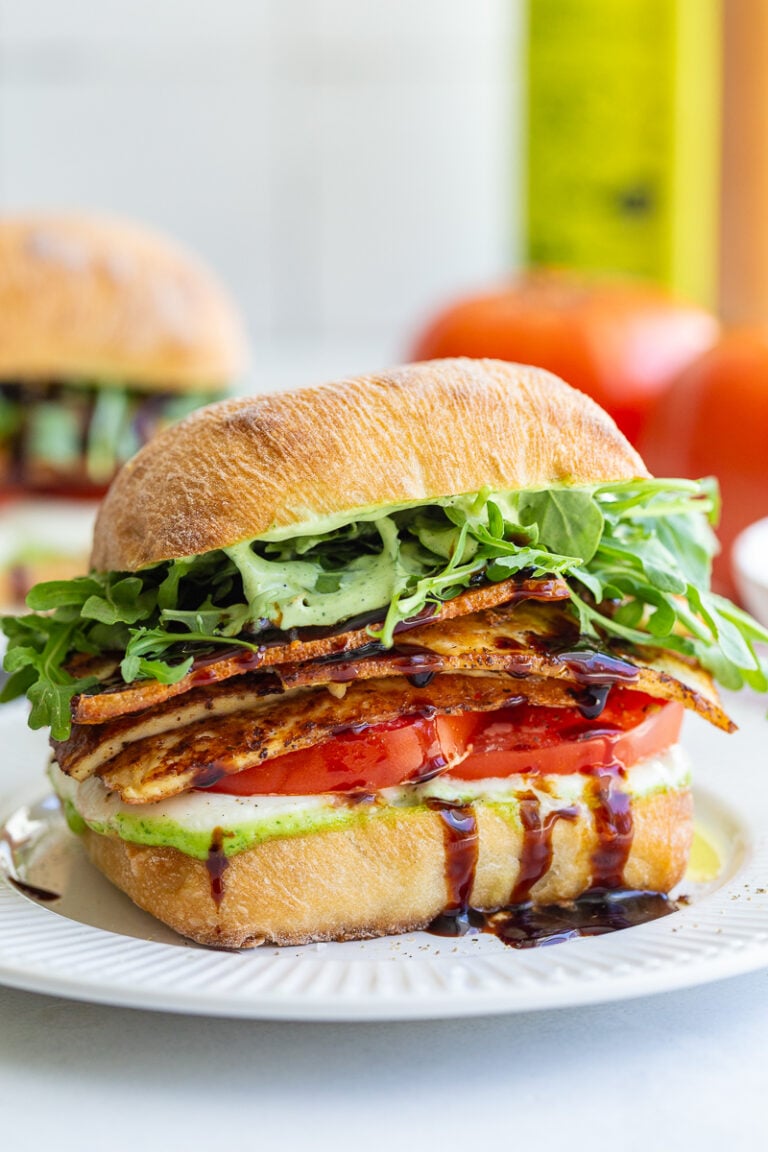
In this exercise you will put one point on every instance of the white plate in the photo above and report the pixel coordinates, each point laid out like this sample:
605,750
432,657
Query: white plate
93,944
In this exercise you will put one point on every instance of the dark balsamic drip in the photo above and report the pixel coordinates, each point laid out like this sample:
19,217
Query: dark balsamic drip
594,671
592,700
217,864
461,851
274,637
434,764
536,850
612,812
423,617
606,907
32,890
593,914
589,666
416,656
358,797
207,775
367,650
418,664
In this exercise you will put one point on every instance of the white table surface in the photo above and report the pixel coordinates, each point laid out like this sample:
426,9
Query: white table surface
680,1070
683,1070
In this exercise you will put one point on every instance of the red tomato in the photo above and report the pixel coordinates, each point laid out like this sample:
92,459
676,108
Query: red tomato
714,421
521,738
376,757
529,738
619,341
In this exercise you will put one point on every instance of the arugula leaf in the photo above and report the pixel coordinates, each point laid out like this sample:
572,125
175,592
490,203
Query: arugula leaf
168,591
208,619
52,594
569,520
147,644
495,521
636,556
122,603
540,563
40,673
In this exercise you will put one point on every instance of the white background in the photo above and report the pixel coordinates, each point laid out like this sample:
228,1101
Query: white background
682,1072
344,165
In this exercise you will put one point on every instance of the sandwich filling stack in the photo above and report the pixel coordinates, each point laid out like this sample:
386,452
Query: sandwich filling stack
362,657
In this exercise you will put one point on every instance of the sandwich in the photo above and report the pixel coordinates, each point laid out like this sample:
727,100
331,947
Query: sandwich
393,652
108,333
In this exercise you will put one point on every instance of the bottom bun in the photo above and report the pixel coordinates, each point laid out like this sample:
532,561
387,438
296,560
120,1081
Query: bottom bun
384,875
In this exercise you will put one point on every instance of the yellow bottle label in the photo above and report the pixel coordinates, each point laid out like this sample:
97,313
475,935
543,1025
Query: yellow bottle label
623,138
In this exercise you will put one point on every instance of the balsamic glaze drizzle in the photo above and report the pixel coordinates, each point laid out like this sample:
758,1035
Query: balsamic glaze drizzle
591,666
592,700
612,812
461,852
217,863
605,907
44,895
593,914
536,850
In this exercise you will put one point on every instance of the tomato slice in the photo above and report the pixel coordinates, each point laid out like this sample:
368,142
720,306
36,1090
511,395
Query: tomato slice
529,739
523,738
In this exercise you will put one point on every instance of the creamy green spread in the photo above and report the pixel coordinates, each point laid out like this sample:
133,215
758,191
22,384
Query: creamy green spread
187,822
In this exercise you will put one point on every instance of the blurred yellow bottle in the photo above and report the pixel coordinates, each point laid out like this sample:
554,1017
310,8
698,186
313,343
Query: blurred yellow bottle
744,249
623,138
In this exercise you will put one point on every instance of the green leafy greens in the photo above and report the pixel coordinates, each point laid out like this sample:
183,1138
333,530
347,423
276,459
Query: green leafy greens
636,556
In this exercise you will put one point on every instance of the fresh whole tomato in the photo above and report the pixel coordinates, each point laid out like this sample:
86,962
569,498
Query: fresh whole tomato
622,342
521,738
714,422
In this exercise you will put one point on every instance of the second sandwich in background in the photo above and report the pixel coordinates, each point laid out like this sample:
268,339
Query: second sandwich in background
108,333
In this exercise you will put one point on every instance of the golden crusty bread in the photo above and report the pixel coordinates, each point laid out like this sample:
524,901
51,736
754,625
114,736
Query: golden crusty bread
89,298
242,468
381,876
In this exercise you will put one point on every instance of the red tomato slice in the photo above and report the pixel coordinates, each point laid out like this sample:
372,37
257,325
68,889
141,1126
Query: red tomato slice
557,740
522,738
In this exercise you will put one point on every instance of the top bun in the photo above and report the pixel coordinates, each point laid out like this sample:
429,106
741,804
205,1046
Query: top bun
93,299
242,468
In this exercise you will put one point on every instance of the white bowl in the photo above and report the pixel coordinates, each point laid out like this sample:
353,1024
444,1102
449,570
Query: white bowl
749,560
